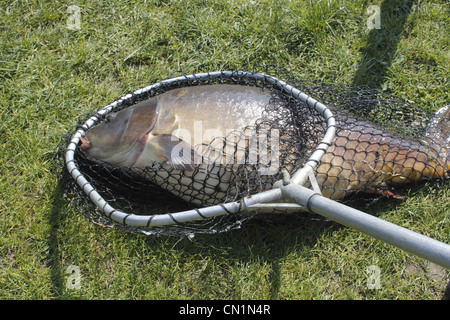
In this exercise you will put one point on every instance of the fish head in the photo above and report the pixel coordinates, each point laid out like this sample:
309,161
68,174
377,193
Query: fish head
120,138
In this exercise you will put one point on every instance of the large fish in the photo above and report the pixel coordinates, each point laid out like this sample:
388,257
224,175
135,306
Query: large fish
183,128
182,134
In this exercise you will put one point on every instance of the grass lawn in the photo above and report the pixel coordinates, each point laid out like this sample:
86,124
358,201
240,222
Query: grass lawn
54,68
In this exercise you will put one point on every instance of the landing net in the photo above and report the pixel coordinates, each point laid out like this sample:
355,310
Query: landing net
297,131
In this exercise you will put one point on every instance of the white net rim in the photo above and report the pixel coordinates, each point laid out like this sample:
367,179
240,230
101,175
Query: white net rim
149,221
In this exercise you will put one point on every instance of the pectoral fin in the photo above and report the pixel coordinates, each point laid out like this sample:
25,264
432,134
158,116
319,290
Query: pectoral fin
179,153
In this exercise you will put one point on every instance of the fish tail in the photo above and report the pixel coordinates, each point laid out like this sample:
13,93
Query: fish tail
438,132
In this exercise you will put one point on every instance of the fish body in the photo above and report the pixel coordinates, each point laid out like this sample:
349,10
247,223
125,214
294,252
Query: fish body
183,129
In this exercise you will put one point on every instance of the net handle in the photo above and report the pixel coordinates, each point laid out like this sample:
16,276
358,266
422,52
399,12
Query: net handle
148,221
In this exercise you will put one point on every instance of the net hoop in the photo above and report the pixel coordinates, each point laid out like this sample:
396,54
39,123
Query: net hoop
245,204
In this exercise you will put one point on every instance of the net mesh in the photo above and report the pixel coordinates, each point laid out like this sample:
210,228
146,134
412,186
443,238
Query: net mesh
378,136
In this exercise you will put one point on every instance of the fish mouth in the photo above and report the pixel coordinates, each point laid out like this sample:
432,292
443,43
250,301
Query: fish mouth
85,144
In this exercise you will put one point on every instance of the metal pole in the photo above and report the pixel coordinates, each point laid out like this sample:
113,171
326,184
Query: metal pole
420,245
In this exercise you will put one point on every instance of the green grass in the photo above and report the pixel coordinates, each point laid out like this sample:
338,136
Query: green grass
51,75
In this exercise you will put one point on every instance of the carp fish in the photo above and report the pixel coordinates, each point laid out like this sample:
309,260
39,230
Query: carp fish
167,130
181,134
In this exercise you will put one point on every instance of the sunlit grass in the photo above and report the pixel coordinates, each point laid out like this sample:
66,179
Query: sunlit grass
51,75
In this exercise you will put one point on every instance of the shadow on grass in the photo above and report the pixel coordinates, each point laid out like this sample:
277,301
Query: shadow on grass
271,242
259,243
382,43
54,254
263,244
